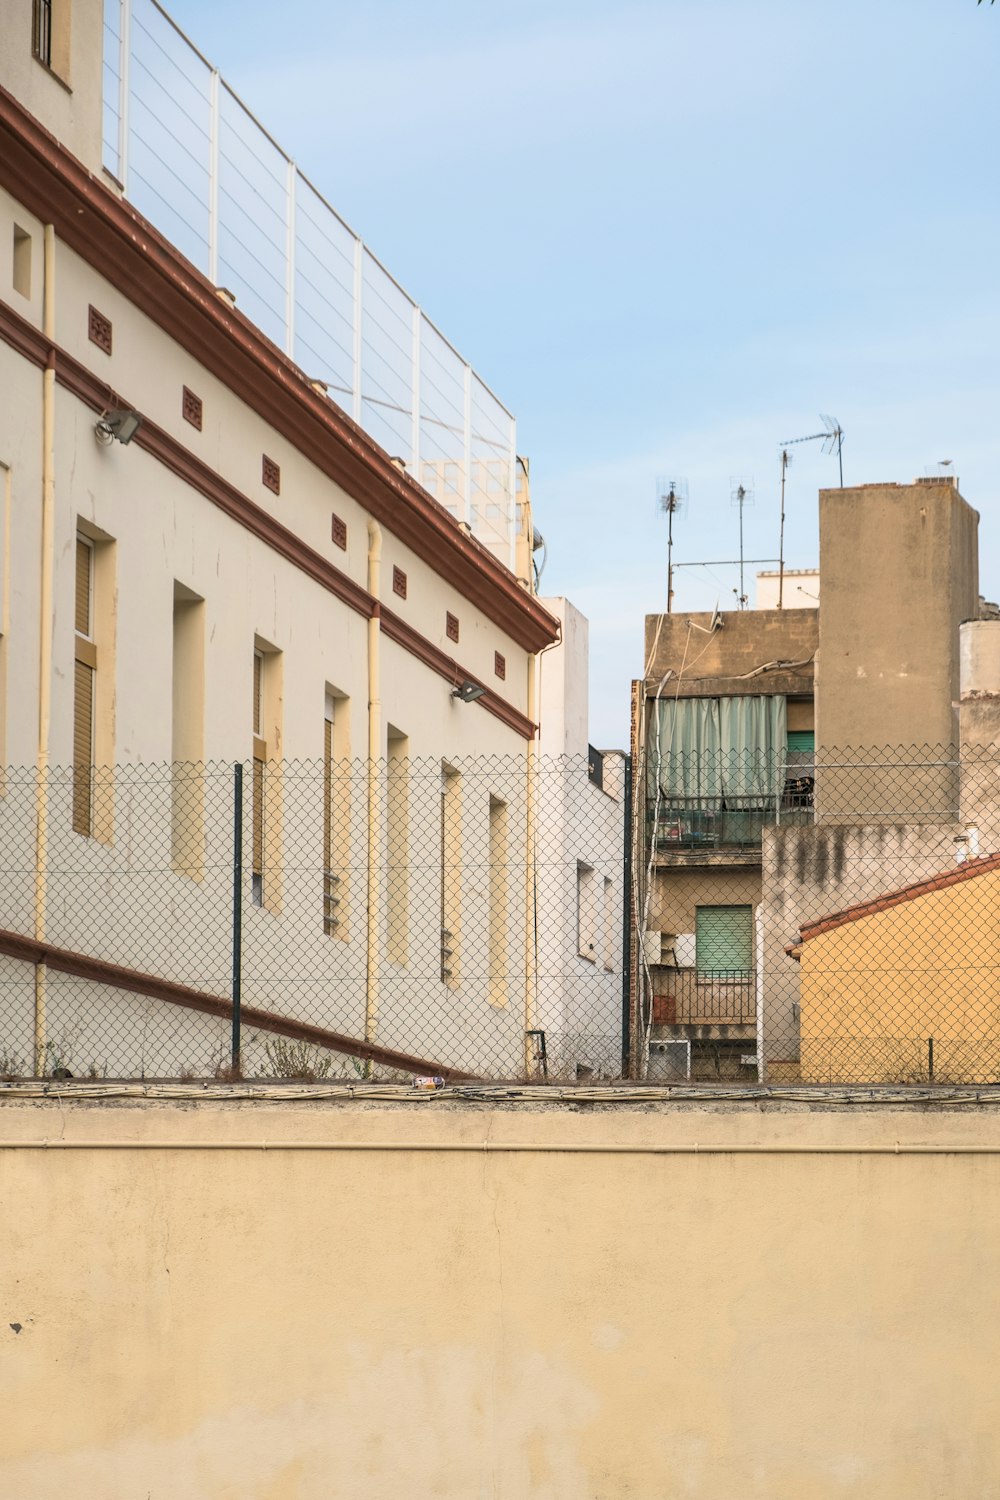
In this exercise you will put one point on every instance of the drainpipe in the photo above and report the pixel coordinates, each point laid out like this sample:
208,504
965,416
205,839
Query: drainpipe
374,753
530,898
45,632
530,875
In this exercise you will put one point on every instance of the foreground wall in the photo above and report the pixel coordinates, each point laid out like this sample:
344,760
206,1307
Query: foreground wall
681,1300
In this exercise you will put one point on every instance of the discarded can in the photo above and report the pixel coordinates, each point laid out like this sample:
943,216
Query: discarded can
427,1082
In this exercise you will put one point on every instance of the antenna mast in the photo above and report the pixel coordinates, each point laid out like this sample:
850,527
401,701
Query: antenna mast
741,495
786,459
832,439
671,495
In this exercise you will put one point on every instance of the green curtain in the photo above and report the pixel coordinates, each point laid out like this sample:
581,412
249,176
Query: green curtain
718,748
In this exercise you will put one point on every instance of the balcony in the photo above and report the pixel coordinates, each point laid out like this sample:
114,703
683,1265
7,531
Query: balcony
687,997
706,823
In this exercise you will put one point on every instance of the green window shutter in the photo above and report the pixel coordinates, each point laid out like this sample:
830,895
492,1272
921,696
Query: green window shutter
724,939
802,739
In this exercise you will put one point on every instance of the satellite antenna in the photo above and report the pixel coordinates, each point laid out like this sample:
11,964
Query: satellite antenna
671,495
741,494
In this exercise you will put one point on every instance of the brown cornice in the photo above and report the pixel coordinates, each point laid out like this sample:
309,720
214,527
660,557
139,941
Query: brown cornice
135,982
159,444
121,245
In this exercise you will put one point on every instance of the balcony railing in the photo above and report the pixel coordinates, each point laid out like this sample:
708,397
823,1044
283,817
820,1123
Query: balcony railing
684,997
713,824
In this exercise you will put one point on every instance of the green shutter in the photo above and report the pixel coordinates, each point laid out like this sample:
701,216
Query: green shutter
724,939
802,739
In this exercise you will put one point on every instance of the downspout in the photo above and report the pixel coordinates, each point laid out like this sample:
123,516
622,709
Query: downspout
374,753
45,624
530,897
530,873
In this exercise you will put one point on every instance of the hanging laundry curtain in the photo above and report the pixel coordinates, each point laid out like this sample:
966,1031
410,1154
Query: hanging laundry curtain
726,749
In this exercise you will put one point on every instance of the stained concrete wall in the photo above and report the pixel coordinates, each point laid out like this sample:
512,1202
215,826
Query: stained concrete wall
900,573
717,663
774,1303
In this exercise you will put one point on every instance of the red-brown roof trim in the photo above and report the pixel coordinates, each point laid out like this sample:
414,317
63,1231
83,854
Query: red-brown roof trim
159,444
967,871
120,244
136,982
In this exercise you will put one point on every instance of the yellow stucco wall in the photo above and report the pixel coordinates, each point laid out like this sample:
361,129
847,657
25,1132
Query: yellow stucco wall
876,989
682,1302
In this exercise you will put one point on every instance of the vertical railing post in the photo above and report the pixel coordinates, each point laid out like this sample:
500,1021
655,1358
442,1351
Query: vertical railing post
237,913
467,445
290,184
213,177
512,500
125,44
415,393
358,331
627,922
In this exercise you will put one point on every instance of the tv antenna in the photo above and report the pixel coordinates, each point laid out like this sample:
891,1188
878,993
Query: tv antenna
671,496
832,439
741,494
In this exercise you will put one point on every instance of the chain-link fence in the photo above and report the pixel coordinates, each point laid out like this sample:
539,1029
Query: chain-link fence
826,917
314,920
820,916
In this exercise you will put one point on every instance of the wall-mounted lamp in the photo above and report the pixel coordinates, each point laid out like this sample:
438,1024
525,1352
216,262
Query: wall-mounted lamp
123,423
468,691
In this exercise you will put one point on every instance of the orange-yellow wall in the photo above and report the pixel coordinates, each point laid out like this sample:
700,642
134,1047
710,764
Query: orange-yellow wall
677,1302
876,989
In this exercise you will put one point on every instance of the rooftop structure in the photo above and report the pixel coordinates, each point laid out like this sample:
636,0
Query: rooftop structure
189,154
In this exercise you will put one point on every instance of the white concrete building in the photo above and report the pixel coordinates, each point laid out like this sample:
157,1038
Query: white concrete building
251,578
581,844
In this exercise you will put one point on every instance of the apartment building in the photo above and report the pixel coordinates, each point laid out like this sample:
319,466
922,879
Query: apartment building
798,762
215,553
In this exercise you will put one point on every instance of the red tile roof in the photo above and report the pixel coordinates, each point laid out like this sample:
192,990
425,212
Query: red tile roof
966,871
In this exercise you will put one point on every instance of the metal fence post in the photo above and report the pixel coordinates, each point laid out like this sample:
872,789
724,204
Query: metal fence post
627,923
237,910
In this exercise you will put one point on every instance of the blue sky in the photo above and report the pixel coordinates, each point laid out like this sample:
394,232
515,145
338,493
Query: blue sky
669,235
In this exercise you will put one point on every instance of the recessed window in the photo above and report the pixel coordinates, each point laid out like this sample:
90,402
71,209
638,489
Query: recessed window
270,474
50,23
22,261
99,329
451,625
191,408
338,532
85,670
399,582
41,31
499,665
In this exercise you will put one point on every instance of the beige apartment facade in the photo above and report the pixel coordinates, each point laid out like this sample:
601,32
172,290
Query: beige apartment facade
249,578
837,772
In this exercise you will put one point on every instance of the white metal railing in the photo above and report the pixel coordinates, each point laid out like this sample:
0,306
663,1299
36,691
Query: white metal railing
192,158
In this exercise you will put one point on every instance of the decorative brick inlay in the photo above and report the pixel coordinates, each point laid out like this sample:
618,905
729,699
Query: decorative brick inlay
499,664
338,531
191,409
99,329
451,625
270,474
399,582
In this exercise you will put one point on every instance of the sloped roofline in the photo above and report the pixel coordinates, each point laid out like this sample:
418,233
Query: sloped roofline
969,870
118,242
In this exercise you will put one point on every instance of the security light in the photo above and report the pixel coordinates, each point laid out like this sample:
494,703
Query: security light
468,691
122,423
